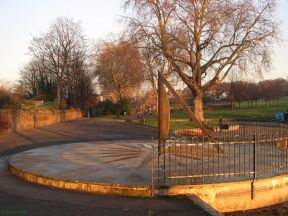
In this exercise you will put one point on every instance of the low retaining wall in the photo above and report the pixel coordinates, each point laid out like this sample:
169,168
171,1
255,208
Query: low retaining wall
83,186
223,197
21,120
236,196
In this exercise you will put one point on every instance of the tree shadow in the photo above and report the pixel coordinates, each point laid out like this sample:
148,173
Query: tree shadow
30,139
62,134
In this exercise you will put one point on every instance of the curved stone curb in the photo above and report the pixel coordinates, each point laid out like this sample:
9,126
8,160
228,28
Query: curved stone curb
83,186
235,196
224,197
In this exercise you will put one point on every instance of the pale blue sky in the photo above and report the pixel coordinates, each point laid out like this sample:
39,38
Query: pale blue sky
21,19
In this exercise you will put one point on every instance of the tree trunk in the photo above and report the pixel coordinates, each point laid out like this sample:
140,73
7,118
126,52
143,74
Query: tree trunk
120,93
58,100
277,102
198,107
155,100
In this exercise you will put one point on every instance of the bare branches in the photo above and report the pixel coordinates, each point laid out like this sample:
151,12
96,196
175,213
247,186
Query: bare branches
208,38
59,55
118,68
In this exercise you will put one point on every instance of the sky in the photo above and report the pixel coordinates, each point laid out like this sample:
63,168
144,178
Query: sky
20,20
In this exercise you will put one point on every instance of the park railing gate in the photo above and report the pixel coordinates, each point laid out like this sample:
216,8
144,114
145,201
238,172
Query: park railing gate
250,151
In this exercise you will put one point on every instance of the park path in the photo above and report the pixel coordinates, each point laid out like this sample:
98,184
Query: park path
82,130
18,197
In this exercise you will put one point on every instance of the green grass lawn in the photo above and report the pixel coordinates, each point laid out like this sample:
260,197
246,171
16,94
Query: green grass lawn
258,113
243,113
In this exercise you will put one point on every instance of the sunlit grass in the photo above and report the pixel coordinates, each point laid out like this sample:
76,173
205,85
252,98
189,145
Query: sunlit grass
259,112
243,113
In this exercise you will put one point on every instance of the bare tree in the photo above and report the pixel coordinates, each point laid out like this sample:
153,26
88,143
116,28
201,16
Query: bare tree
10,96
272,90
206,40
37,82
236,91
5,92
253,90
58,50
29,78
118,68
153,62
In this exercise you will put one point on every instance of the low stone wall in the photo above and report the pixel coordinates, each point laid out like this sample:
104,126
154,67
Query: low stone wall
236,196
21,120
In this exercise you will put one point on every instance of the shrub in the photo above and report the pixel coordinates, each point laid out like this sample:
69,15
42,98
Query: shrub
107,107
125,106
4,101
103,108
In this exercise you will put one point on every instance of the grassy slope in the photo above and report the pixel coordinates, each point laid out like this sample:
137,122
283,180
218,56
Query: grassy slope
260,112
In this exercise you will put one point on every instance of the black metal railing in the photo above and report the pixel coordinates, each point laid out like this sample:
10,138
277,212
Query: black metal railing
249,150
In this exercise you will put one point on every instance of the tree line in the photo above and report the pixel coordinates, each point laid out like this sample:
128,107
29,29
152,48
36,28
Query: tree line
59,70
62,69
197,43
238,91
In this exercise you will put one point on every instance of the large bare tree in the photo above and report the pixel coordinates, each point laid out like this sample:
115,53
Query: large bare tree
206,40
118,68
61,52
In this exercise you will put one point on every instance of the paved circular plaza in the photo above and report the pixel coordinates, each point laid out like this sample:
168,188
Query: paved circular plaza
109,162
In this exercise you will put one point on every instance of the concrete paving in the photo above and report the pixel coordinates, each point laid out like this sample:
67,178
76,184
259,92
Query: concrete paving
111,162
83,130
18,197
31,199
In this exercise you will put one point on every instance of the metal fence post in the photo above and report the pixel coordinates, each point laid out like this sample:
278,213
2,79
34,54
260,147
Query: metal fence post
254,168
152,172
